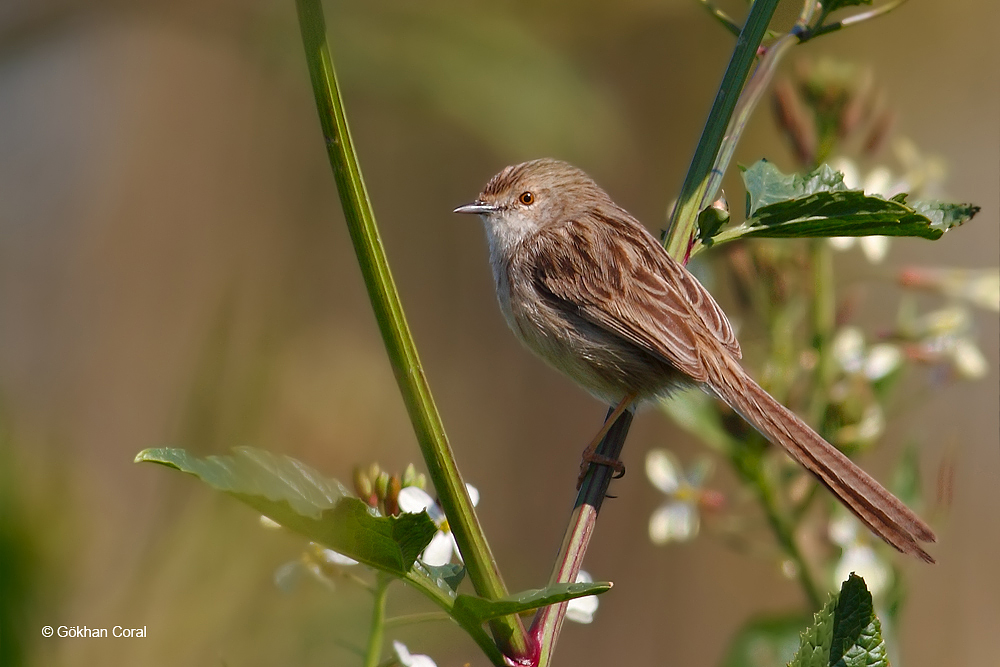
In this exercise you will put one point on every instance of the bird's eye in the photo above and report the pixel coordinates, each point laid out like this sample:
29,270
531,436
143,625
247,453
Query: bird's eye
526,198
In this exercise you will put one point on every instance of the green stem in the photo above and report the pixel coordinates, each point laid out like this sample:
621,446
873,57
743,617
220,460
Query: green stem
546,627
785,533
748,464
414,619
373,655
854,19
420,580
402,352
824,315
683,218
722,17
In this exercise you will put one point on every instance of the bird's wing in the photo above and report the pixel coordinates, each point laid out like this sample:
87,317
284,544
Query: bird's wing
629,286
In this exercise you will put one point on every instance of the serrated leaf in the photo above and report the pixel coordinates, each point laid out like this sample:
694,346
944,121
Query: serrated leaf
818,204
845,633
857,632
814,643
766,642
301,499
476,610
767,185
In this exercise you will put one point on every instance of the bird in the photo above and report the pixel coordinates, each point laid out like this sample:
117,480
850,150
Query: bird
586,287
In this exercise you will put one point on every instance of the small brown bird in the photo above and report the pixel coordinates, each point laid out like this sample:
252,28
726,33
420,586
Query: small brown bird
586,287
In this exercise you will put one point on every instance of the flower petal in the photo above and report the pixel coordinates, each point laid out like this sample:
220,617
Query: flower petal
675,521
336,558
875,248
581,610
408,659
882,360
968,360
414,500
863,561
439,551
849,348
473,493
843,529
841,242
663,470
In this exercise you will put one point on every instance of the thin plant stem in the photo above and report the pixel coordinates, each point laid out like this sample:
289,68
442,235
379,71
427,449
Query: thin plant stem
419,579
749,467
549,620
680,229
376,633
824,314
414,619
721,16
854,19
402,352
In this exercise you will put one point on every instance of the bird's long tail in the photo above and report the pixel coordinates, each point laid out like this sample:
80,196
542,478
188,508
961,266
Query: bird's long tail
883,513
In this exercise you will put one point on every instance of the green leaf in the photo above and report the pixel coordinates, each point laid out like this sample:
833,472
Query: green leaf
476,610
845,633
767,185
814,644
301,499
766,642
819,204
857,632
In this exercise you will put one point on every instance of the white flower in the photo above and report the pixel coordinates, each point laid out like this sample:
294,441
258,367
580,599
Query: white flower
882,359
849,350
677,519
878,182
408,659
581,610
331,557
968,360
857,555
413,500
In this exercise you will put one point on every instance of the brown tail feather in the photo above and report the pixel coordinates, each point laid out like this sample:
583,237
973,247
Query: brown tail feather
883,513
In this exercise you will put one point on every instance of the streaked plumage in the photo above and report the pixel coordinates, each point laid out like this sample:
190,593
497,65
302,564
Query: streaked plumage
585,286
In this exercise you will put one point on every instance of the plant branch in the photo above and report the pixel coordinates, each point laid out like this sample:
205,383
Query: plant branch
549,620
749,467
373,655
854,19
402,352
684,215
414,619
721,16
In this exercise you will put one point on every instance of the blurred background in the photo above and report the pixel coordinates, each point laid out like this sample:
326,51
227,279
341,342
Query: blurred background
175,270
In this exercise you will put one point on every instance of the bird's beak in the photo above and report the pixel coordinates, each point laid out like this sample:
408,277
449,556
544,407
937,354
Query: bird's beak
477,207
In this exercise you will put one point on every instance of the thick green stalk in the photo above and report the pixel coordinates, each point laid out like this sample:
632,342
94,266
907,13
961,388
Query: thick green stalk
683,218
441,466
